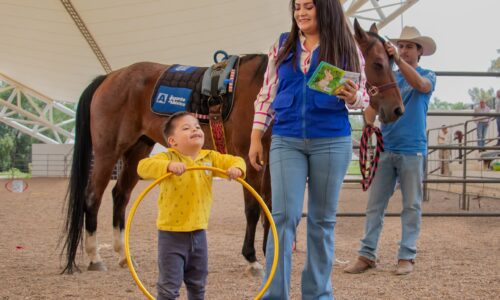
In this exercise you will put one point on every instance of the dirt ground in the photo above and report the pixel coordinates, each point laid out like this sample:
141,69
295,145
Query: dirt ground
458,258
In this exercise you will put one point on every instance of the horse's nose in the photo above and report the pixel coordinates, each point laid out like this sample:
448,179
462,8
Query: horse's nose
398,112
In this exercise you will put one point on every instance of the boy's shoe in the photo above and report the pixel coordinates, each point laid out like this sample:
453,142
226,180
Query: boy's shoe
404,266
360,265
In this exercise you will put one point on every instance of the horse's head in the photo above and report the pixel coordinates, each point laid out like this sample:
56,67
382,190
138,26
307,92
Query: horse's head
381,84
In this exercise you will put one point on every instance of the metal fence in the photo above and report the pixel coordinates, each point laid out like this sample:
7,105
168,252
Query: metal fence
463,152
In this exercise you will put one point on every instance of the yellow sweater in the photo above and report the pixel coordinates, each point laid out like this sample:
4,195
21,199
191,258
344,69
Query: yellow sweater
185,201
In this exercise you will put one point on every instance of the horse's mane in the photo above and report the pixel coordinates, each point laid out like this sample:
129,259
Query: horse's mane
261,69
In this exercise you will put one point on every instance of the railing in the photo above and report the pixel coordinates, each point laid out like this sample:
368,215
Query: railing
50,165
464,148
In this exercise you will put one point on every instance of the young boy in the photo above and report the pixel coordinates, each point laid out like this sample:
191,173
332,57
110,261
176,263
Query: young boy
184,205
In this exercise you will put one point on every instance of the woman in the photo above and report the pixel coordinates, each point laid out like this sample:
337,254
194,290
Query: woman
311,139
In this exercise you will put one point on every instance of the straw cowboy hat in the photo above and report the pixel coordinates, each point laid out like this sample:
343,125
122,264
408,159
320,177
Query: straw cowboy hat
411,34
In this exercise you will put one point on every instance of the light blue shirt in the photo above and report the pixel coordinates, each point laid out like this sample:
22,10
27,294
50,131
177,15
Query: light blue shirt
407,135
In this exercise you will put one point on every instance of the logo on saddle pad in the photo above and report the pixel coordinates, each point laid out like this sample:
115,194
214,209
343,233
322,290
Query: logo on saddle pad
182,68
171,99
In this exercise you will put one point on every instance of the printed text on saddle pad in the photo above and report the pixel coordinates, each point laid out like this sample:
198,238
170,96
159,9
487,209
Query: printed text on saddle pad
176,89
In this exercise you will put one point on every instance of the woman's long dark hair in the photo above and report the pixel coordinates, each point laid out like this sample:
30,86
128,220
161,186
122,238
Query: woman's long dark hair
336,43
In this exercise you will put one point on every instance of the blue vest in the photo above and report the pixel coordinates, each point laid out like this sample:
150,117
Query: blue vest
302,112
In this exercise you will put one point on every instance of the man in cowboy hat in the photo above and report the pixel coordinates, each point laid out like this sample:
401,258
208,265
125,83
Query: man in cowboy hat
405,146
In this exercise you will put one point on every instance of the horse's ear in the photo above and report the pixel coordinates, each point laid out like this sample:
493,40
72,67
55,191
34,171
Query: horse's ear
359,32
374,28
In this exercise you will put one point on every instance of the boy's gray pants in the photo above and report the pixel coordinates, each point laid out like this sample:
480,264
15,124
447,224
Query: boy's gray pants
182,256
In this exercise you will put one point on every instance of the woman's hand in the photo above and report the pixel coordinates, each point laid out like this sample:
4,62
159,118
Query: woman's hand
256,153
348,92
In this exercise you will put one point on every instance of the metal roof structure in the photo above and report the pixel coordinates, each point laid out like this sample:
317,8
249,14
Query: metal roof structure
51,49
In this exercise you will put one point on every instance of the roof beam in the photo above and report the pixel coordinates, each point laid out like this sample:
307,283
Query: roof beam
363,9
86,34
32,113
404,7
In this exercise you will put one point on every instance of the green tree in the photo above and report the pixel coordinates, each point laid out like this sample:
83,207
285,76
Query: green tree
15,149
6,146
477,94
495,64
460,106
438,104
488,95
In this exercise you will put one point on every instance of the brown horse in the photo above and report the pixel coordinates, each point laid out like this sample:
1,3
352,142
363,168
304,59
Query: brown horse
114,121
381,84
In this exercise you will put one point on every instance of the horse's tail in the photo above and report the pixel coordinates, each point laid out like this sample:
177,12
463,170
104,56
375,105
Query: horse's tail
80,172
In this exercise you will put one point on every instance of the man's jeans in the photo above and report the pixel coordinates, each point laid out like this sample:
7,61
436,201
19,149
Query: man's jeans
482,128
498,131
409,170
292,161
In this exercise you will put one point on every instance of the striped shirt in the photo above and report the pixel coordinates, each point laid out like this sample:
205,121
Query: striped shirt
264,114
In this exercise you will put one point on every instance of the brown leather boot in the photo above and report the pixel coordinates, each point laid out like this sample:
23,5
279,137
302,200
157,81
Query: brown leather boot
360,265
404,267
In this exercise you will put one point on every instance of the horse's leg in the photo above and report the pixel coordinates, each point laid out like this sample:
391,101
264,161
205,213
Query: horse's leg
127,180
266,193
252,213
101,174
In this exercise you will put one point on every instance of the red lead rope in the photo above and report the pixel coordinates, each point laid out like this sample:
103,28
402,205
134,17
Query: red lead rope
368,173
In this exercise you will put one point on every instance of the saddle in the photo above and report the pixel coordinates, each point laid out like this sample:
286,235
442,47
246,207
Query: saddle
207,93
195,89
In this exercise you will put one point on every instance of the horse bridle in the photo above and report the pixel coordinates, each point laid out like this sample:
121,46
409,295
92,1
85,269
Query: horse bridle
374,90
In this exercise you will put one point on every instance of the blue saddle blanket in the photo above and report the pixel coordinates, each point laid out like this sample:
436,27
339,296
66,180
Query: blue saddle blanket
180,87
175,94
171,99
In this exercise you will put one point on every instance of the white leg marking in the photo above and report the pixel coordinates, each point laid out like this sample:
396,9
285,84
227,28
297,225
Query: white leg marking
118,240
119,246
91,247
256,266
255,269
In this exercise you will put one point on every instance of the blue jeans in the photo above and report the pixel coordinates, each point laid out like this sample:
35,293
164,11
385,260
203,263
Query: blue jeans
498,131
323,164
482,127
409,169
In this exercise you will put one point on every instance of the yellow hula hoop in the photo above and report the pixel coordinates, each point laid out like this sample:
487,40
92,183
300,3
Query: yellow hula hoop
244,184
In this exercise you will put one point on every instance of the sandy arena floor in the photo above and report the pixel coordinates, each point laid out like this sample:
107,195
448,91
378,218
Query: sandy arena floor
459,258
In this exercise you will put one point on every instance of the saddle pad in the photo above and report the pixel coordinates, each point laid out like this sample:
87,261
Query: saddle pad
176,89
179,89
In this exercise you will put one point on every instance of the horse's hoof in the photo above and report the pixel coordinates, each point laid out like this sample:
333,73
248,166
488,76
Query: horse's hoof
98,266
255,270
123,263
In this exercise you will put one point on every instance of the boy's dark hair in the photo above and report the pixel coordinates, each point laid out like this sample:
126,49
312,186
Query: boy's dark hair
169,125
